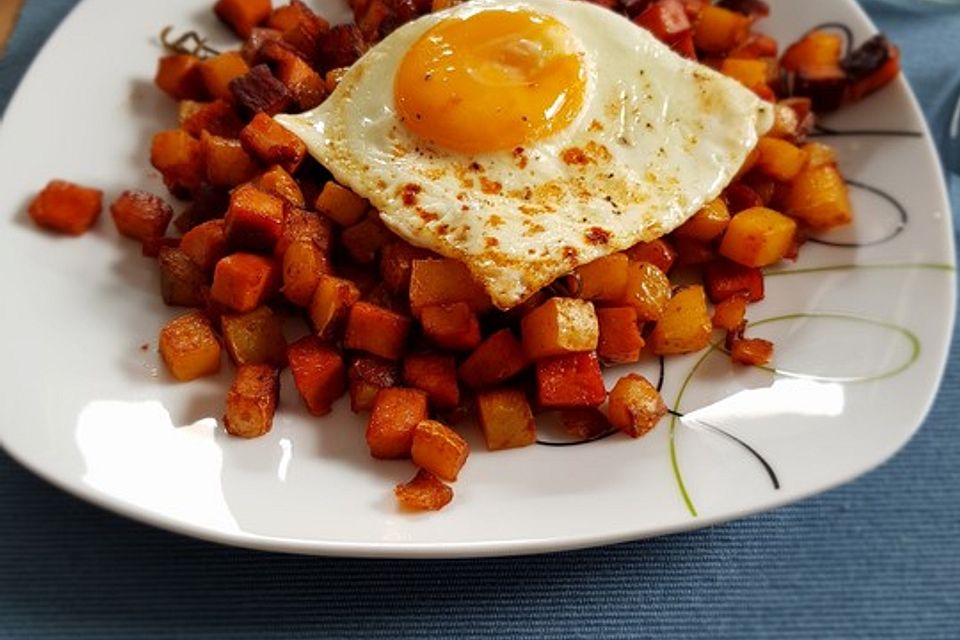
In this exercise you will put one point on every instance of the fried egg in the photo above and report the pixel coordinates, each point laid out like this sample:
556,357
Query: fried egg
527,138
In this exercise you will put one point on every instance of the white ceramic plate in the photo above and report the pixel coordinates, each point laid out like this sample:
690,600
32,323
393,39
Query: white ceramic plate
861,331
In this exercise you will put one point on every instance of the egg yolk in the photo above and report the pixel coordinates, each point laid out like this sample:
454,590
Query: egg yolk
491,81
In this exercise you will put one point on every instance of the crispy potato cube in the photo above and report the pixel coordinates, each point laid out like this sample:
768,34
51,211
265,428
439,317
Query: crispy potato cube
719,30
307,87
331,303
437,375
267,140
141,215
178,156
724,278
436,282
604,279
659,253
252,400
396,264
396,414
302,225
227,164
570,381
217,117
505,419
559,326
819,155
750,73
648,290
685,324
635,405
758,237
498,358
255,337
620,340
65,207
182,281
205,244
254,220
363,240
277,181
780,159
318,372
751,351
287,17
244,281
376,330
341,205
303,265
707,224
451,326
439,449
367,375
729,314
218,71
179,76
242,15
818,198
424,493
815,62
189,347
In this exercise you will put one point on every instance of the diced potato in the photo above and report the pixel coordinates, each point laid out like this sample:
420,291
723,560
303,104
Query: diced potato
178,76
819,155
307,87
189,347
451,326
376,330
66,207
363,240
218,71
437,282
818,198
303,265
396,264
707,224
277,181
620,340
182,281
254,220
685,324
724,278
437,375
729,314
331,302
559,326
635,406
720,30
141,215
815,62
424,493
751,351
439,449
205,244
318,372
178,156
242,15
267,140
227,164
252,400
341,205
217,117
255,337
780,159
498,358
758,237
657,252
244,281
333,77
750,73
395,416
302,225
367,375
505,419
570,381
604,279
288,16
648,290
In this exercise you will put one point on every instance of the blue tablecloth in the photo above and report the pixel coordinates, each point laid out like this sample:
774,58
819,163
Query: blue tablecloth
877,558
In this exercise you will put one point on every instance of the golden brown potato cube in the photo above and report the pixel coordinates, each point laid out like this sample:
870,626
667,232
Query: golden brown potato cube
205,244
706,224
300,224
818,198
303,264
729,313
66,207
255,337
635,406
819,155
396,263
498,358
277,181
363,240
178,76
341,205
178,156
648,290
451,326
226,162
189,347
437,282
620,340
439,449
437,375
367,375
182,281
242,15
218,71
141,215
604,279
270,143
254,220
559,326
751,351
780,159
396,414
252,400
719,30
505,419
684,326
318,372
244,281
217,117
424,493
331,302
758,237
376,330
660,253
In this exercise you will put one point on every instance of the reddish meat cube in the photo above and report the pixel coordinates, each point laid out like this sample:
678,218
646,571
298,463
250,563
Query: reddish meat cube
724,278
451,326
498,358
254,220
306,33
396,414
141,215
436,374
424,493
341,46
252,400
620,339
182,281
505,419
259,91
318,372
376,330
367,375
244,281
242,15
570,381
66,207
268,141
179,157
178,76
205,244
